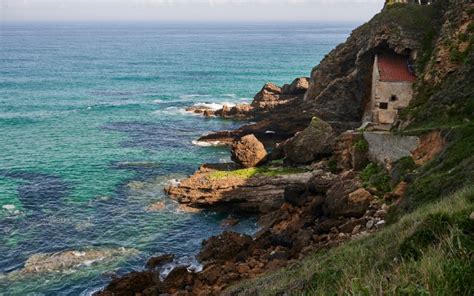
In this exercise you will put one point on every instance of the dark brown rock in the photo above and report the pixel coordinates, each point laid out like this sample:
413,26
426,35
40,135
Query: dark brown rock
224,246
347,199
154,262
130,284
296,194
229,221
321,182
298,86
178,278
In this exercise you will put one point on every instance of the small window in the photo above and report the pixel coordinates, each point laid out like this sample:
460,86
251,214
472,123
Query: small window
383,105
393,98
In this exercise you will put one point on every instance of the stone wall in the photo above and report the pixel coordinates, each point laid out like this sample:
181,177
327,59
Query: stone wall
386,147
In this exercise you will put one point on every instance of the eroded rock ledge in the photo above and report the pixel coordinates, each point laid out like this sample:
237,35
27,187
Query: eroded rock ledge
229,188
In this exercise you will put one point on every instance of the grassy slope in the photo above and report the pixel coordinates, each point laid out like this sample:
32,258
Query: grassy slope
427,252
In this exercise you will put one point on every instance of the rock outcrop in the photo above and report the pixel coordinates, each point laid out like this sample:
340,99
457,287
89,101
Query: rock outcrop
304,222
248,151
313,142
222,187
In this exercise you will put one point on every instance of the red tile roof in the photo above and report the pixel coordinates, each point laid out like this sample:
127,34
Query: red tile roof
394,68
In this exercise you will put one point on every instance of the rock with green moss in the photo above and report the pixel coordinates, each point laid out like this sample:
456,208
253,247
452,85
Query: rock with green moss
314,142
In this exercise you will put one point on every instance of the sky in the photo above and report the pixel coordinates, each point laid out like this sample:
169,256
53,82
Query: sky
189,10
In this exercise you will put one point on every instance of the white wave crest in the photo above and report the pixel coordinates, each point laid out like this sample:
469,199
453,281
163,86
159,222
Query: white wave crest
207,143
190,262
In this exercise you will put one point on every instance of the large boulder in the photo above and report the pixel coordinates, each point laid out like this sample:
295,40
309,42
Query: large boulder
310,144
347,199
248,151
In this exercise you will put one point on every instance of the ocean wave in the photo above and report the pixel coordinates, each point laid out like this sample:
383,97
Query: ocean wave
213,96
190,262
192,96
173,111
207,144
213,106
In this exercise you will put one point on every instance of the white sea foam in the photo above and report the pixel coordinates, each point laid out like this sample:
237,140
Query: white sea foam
207,144
213,106
174,182
190,262
192,96
9,208
173,111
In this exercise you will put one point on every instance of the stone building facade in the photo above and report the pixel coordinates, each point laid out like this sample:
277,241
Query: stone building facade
392,88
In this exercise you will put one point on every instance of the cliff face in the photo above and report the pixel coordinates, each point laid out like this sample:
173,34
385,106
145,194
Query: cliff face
340,84
445,88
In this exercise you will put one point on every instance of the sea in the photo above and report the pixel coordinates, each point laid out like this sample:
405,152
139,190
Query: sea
93,126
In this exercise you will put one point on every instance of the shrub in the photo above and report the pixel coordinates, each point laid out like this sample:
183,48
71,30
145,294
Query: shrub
375,176
361,145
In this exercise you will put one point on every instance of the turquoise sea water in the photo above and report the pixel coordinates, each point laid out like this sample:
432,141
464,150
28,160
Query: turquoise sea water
92,126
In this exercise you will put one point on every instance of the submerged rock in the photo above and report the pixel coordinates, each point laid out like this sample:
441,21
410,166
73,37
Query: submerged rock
156,207
248,151
67,260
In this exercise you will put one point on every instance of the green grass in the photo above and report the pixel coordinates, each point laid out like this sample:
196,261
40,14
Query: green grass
374,175
427,252
256,171
453,169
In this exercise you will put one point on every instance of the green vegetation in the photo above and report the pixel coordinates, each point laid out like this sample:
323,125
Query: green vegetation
256,171
428,252
447,173
457,56
400,169
361,145
409,16
332,165
375,176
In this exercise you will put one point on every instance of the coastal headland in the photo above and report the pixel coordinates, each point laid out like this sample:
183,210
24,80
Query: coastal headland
323,179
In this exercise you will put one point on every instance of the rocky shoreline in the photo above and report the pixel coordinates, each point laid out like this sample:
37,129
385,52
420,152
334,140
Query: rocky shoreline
313,179
308,194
